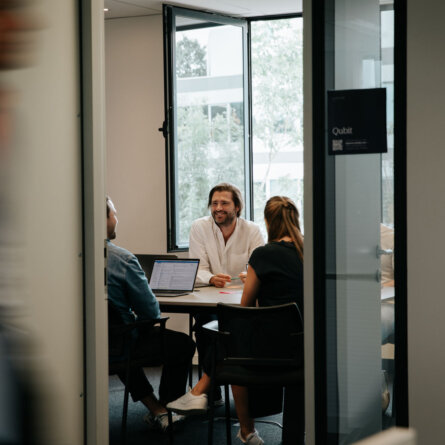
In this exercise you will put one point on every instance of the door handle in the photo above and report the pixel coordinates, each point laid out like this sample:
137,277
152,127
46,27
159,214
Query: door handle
164,129
380,252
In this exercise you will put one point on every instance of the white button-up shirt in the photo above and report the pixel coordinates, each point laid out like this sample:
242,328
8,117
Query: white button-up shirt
207,244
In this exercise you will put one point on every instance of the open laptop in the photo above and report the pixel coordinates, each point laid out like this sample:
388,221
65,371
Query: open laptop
147,260
173,277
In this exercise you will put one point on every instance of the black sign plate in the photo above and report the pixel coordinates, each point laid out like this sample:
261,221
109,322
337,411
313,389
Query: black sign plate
357,121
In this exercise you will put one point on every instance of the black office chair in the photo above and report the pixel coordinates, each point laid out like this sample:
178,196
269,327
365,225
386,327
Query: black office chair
257,346
120,351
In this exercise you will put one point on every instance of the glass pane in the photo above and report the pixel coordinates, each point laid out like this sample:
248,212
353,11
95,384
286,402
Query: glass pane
387,74
359,224
277,112
209,115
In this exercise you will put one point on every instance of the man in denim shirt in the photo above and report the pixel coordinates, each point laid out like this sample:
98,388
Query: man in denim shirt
129,291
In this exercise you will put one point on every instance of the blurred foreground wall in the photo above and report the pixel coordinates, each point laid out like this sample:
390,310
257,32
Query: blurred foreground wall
41,219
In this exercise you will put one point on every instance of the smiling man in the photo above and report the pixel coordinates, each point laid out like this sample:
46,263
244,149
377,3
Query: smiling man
223,241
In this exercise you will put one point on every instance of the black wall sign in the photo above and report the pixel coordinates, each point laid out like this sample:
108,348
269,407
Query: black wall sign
357,121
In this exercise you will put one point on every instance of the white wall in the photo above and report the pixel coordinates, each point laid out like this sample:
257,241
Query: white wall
426,216
135,148
136,181
47,131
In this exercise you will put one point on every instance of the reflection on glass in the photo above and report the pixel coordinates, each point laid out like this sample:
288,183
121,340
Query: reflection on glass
387,227
387,74
210,116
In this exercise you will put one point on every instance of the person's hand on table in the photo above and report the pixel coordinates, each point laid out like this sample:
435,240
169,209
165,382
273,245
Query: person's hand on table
243,276
220,280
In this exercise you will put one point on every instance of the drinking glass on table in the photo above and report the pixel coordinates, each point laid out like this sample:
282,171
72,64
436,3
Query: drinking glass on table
243,275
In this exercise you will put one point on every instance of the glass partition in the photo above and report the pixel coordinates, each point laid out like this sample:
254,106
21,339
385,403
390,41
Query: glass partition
355,277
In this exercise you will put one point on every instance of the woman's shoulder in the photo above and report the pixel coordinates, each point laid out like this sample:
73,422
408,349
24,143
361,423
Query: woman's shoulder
281,246
266,250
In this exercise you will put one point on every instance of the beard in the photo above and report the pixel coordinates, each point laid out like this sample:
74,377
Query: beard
223,218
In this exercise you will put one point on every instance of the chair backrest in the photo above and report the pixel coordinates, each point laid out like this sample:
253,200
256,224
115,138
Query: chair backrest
266,333
117,341
123,337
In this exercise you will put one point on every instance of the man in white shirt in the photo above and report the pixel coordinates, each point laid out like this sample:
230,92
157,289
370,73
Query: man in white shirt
223,241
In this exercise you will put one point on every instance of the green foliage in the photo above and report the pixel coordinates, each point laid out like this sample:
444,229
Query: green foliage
277,90
190,58
277,84
210,146
209,152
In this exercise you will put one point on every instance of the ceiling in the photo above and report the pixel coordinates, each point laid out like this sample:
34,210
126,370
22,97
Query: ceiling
237,8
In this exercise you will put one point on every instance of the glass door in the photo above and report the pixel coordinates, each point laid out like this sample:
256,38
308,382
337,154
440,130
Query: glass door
354,225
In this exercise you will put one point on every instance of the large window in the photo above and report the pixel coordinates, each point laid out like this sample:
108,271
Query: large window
277,112
211,137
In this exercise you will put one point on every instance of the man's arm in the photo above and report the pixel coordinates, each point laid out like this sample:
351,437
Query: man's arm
197,249
141,298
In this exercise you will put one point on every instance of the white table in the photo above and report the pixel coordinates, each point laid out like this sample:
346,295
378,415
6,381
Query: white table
202,300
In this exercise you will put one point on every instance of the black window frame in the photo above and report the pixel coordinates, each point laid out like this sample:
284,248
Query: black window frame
168,128
169,12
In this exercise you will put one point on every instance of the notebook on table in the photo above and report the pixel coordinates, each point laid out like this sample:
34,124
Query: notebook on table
173,277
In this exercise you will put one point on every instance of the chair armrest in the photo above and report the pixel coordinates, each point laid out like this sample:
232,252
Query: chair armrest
161,321
146,325
120,336
149,323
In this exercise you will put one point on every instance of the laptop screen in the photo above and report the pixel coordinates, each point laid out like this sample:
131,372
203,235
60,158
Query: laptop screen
147,260
175,274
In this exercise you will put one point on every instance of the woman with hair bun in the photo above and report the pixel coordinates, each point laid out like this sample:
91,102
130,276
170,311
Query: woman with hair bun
274,276
275,273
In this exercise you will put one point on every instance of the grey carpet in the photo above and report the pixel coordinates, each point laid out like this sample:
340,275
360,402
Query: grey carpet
193,431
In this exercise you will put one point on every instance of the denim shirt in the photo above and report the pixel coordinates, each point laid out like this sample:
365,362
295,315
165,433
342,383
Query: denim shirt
128,287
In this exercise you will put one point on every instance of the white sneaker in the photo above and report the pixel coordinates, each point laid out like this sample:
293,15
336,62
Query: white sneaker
160,422
251,439
189,404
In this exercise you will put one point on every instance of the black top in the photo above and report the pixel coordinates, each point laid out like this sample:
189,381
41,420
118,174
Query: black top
280,271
